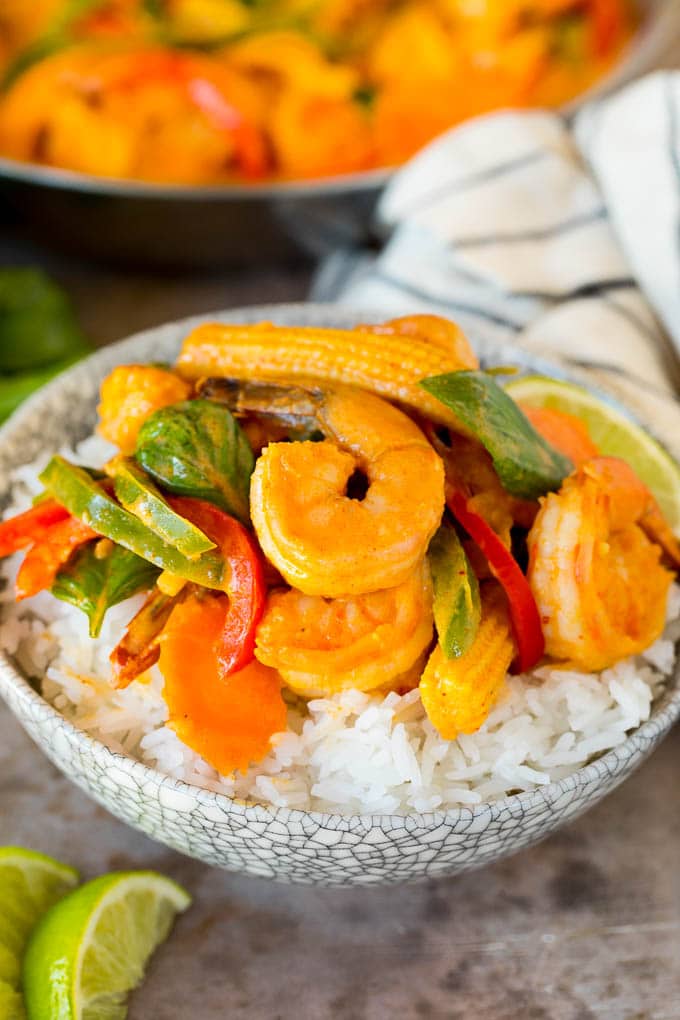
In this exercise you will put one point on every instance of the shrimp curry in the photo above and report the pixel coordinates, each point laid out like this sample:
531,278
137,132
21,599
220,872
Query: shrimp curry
313,510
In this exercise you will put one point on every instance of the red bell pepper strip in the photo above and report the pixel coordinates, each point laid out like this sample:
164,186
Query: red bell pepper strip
139,648
524,615
46,558
186,73
608,21
103,23
245,586
32,526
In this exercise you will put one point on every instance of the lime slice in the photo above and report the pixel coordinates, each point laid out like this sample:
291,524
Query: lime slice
613,433
91,949
29,884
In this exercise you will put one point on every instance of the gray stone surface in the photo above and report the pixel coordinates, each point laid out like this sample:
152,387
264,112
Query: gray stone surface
586,925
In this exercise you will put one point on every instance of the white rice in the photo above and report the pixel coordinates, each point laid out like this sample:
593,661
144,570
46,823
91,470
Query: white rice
349,753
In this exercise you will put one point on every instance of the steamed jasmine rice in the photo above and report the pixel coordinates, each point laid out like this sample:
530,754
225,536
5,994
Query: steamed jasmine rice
348,753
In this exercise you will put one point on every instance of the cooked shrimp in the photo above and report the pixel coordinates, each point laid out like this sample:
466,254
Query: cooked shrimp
321,540
129,395
321,646
595,574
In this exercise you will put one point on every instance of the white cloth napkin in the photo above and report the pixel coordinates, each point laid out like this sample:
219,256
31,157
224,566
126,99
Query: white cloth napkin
563,238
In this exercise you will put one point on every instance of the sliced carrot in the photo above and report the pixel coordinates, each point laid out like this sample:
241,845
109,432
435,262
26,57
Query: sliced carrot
565,432
229,722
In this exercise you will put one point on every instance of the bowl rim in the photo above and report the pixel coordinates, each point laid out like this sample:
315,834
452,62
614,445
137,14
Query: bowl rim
115,187
638,56
665,712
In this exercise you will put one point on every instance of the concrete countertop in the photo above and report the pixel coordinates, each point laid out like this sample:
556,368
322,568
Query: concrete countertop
586,925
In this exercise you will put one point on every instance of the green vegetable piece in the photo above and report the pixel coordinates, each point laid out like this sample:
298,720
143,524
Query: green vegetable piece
196,448
85,499
570,34
141,497
154,8
94,584
42,497
457,605
37,323
527,465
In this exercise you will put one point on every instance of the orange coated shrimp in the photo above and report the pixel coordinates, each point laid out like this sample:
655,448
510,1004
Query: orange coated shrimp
323,541
321,646
596,576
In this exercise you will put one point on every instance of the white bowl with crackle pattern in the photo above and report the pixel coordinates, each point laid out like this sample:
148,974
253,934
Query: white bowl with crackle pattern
288,845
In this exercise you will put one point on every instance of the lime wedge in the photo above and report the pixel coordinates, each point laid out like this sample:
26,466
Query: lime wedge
11,1003
613,433
29,884
92,948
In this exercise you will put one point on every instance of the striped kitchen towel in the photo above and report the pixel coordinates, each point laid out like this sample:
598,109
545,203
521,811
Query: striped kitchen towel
563,237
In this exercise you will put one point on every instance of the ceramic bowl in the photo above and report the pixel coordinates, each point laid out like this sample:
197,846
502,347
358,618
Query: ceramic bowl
287,845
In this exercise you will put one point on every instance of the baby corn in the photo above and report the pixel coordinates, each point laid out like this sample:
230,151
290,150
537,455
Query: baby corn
389,360
458,694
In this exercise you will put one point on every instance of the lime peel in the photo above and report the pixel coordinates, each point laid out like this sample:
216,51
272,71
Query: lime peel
30,883
92,948
11,1003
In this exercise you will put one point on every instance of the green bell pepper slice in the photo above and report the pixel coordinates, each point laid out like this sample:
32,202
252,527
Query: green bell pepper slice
138,494
457,605
81,495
